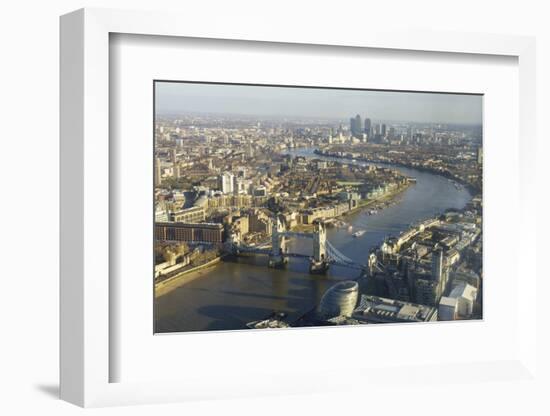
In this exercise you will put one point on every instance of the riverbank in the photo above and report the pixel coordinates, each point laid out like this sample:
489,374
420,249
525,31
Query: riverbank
165,286
470,187
389,199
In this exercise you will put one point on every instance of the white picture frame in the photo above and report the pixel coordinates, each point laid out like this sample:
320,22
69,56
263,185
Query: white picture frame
85,220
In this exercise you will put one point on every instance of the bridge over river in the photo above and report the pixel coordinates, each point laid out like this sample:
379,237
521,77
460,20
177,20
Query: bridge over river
323,253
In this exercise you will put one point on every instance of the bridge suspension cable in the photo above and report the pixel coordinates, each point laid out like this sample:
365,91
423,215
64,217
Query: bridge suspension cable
339,258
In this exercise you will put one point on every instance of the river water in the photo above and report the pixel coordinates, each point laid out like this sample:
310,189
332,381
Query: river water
227,296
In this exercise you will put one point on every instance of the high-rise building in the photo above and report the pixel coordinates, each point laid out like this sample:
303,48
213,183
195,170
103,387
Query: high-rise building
383,130
410,132
479,155
426,292
356,125
437,265
368,127
227,181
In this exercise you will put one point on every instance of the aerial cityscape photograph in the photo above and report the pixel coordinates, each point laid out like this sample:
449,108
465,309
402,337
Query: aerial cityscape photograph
291,206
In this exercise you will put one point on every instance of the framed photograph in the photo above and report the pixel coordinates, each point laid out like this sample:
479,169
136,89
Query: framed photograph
239,212
274,209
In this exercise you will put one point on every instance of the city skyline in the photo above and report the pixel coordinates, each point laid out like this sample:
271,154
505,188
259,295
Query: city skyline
173,98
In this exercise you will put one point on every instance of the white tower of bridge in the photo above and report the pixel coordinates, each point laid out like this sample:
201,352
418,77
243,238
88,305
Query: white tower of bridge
278,243
319,242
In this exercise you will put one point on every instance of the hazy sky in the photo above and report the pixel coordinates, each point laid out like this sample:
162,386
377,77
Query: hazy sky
176,97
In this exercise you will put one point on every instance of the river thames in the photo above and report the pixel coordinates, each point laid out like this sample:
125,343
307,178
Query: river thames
228,295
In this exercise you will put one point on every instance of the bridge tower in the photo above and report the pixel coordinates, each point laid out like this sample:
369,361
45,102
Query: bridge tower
278,244
319,262
372,264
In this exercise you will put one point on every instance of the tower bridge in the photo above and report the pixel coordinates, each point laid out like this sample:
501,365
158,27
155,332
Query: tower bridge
323,253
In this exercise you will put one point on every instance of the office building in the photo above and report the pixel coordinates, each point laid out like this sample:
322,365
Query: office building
426,292
374,309
227,183
465,296
437,265
339,300
356,125
448,309
192,215
188,232
368,127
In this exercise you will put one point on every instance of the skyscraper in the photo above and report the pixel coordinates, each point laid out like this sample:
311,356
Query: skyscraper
368,127
355,125
437,265
358,125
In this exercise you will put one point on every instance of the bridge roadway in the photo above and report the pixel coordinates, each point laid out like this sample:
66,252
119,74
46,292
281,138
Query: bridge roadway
334,256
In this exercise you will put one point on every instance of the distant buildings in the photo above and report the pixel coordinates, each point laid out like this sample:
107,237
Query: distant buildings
260,191
157,178
479,155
